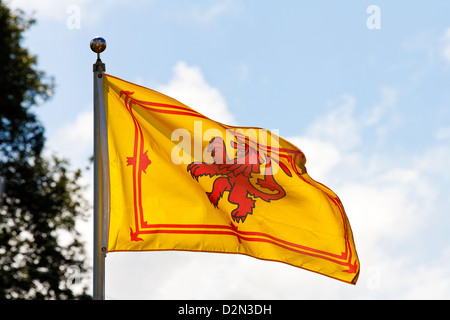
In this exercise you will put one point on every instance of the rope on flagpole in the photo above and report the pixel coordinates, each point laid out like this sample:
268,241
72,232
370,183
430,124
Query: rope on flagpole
98,45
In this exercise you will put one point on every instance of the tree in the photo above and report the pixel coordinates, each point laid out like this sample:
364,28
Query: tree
41,199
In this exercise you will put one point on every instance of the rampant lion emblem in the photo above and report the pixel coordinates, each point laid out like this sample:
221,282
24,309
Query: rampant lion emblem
235,174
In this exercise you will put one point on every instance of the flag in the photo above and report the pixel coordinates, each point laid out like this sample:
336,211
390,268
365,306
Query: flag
181,181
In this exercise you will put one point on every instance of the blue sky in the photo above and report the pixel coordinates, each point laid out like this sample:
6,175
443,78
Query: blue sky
370,108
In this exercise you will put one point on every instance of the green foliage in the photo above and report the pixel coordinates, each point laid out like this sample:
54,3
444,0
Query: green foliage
40,198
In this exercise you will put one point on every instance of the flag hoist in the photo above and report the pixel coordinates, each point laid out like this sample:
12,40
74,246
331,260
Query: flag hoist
166,177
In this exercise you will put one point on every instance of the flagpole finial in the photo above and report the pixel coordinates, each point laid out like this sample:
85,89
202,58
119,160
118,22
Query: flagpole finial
98,45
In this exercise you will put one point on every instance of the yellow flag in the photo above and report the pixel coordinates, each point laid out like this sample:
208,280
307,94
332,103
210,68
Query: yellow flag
181,181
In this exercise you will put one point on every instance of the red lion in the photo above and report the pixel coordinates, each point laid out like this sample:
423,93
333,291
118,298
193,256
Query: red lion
235,177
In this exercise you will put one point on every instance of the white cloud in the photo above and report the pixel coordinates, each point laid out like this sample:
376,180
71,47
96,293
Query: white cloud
345,129
443,133
430,280
383,108
74,140
339,126
189,87
385,195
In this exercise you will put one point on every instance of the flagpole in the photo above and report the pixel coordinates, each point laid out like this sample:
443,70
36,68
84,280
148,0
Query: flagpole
98,45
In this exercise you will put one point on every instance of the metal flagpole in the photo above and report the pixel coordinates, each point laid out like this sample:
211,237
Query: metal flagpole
98,45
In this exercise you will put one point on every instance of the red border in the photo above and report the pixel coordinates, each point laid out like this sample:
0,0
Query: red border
344,259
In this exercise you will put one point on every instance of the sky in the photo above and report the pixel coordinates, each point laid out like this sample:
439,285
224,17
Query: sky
361,87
